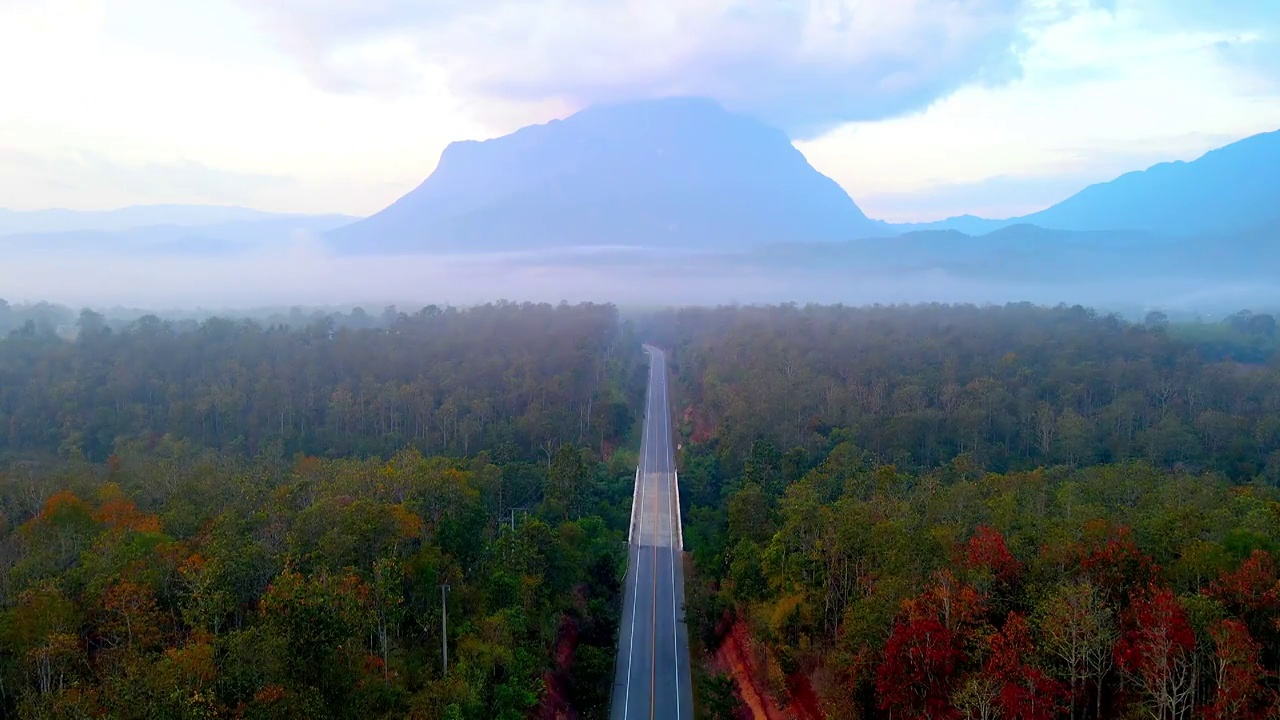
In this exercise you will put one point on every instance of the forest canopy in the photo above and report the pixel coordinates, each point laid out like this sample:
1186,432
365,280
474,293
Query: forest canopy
235,520
961,512
511,378
925,511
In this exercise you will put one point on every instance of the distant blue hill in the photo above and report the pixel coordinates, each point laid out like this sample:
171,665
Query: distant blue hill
1236,187
679,173
1029,253
14,222
213,238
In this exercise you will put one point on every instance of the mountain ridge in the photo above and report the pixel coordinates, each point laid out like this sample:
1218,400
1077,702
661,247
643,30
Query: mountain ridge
1232,187
679,173
59,220
223,238
661,173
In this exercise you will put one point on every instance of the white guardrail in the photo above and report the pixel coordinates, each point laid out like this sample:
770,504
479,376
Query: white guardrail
635,503
679,524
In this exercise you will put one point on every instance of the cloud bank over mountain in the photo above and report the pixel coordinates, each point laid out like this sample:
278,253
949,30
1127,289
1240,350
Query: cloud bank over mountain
330,106
804,66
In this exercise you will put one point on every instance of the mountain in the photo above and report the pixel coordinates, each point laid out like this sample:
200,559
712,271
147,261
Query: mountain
269,229
1031,253
213,238
13,222
679,172
119,243
967,224
1236,187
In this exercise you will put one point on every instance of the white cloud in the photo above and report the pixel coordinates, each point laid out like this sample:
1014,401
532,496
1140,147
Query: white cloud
131,97
1101,94
115,102
805,65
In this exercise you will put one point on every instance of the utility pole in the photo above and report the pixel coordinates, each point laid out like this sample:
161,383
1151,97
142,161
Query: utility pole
514,510
511,538
444,628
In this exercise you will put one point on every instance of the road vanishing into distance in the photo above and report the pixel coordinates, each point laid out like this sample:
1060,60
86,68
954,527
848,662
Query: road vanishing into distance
652,679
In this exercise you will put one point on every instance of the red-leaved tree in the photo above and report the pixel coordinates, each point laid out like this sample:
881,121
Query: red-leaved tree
1156,650
922,658
1241,693
1251,593
987,552
914,680
1026,692
1112,560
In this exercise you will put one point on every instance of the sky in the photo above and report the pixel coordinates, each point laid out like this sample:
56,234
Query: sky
920,109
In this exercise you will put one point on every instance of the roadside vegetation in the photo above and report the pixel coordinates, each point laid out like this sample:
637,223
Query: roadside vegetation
893,512
247,521
961,512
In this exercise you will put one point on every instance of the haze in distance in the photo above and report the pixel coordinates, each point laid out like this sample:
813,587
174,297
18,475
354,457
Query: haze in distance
693,188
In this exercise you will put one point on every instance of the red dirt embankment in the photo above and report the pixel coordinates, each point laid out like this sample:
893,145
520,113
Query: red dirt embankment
554,704
702,428
741,658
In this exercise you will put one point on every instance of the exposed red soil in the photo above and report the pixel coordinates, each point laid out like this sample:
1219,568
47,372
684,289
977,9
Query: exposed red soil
702,427
554,704
734,658
804,702
742,659
738,655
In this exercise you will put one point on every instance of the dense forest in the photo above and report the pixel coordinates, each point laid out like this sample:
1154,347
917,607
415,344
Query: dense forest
1012,387
960,512
515,379
225,519
893,512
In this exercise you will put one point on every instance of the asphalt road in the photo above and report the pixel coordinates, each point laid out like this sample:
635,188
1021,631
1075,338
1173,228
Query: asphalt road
652,672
